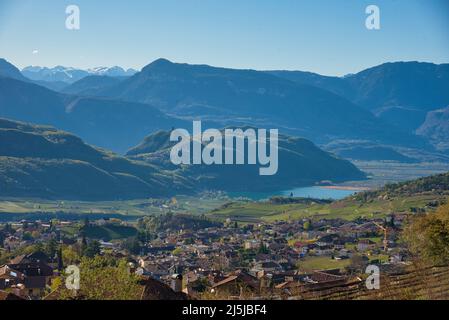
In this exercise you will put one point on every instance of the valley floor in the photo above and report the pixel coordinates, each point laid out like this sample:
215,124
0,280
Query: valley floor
383,172
380,173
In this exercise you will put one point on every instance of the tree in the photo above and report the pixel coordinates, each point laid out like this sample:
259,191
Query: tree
60,259
35,234
100,281
263,249
358,263
56,283
427,236
132,245
8,229
93,248
86,222
144,235
34,248
51,248
307,225
27,236
2,238
83,245
103,280
70,256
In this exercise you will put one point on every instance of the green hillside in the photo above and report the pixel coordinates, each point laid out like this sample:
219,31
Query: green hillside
434,185
301,163
38,161
109,232
407,197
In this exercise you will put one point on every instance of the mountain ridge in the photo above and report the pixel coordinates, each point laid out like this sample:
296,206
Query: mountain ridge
41,161
205,92
301,163
96,120
390,84
436,128
379,86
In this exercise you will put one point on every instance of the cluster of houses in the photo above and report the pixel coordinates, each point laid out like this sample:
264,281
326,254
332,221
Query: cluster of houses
26,276
265,259
21,234
251,261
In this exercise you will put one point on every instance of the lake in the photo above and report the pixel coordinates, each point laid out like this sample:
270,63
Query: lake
303,192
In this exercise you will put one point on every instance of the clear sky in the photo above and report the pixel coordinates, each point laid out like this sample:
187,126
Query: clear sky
324,36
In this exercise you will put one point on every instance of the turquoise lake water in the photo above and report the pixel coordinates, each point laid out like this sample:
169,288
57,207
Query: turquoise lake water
303,192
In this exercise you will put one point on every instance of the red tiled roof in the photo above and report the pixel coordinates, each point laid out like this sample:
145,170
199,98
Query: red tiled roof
4,296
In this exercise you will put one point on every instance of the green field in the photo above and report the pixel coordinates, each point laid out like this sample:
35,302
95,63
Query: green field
184,204
106,232
349,209
313,263
322,263
221,209
109,232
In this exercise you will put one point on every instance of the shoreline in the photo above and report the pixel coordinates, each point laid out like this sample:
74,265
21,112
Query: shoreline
348,188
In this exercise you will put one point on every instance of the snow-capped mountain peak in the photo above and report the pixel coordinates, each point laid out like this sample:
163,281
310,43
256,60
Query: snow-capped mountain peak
70,75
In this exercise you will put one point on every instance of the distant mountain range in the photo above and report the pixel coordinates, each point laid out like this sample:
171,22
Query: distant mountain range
58,78
414,85
249,97
399,93
383,106
40,161
111,124
71,75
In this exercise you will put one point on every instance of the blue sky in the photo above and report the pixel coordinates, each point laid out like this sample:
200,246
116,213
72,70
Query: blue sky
324,36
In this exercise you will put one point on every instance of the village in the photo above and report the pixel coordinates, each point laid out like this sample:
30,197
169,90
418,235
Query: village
280,260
